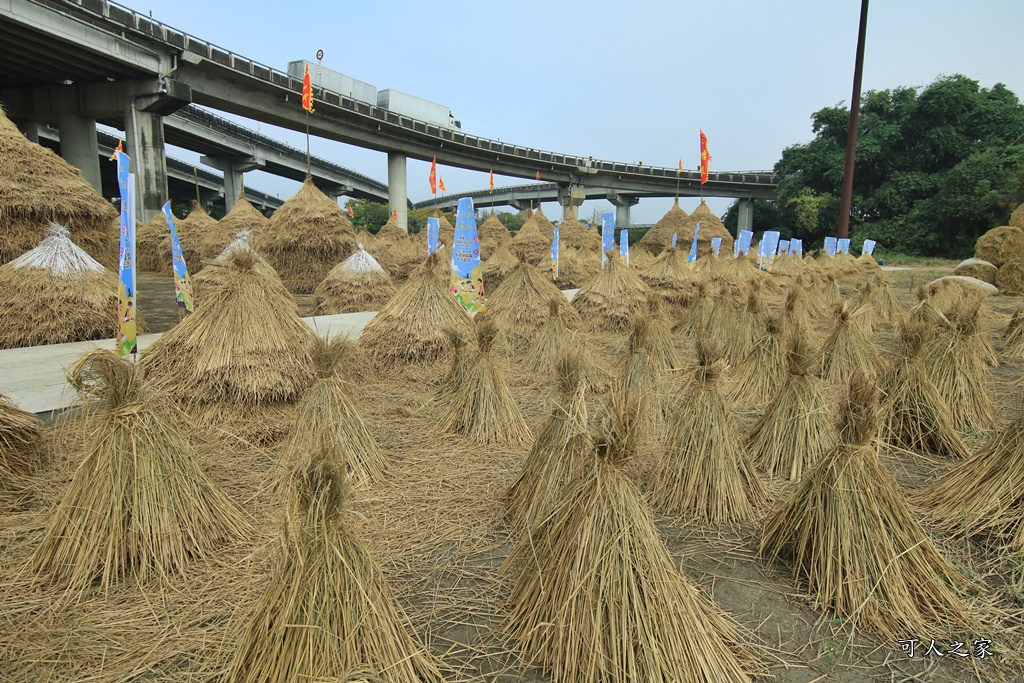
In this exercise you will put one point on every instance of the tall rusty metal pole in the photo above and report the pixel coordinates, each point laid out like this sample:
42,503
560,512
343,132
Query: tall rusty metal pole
851,137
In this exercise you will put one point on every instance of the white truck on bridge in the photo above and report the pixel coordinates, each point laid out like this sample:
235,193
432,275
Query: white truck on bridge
417,108
334,81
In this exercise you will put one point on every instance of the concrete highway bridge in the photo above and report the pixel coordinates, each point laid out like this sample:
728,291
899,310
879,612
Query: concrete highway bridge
82,61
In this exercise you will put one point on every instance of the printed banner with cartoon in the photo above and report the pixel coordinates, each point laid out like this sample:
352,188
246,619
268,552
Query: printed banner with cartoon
182,282
467,282
126,328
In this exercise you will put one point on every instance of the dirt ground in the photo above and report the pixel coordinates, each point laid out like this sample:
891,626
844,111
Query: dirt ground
437,527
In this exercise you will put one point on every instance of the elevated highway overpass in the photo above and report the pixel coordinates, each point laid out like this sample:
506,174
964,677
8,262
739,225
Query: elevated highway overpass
95,59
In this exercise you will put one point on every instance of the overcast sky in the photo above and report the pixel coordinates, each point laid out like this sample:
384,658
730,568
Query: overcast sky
623,82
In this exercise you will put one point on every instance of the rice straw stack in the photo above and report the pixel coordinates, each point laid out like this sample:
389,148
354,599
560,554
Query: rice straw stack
659,237
328,613
598,597
671,280
243,217
481,405
139,507
520,307
529,243
749,322
572,233
849,533
493,235
704,472
760,376
358,283
21,442
497,267
613,299
848,349
554,340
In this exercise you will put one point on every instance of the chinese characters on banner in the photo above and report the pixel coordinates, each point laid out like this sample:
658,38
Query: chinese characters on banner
467,283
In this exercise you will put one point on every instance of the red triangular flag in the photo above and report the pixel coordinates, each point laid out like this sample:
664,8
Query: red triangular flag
351,213
394,214
433,176
307,92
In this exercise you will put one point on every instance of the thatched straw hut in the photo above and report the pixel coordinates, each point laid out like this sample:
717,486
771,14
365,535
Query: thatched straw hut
305,238
710,227
520,306
493,234
572,233
37,188
56,293
244,352
498,266
153,246
391,232
546,227
530,244
1001,245
242,217
660,235
356,284
410,328
613,299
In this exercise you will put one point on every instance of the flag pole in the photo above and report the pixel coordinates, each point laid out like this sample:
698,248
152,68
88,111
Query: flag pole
846,196
308,167
195,178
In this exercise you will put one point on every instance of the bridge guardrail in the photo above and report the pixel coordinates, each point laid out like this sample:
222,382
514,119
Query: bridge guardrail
154,29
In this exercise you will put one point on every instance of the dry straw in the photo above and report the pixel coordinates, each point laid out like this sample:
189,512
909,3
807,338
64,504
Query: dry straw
209,279
139,506
410,328
553,341
978,269
671,280
572,233
1010,278
574,271
868,264
328,611
710,227
56,293
848,349
1017,217
613,299
956,362
306,237
153,246
546,227
1013,336
497,268
796,429
328,421
598,597
21,442
558,450
743,335
914,416
391,231
1000,245
851,536
193,230
244,353
358,283
760,376
520,307
530,244
480,404
37,188
704,472
242,217
659,237
887,306
640,373
493,234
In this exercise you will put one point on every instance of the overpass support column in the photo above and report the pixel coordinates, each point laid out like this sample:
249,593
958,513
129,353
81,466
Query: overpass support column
397,190
144,139
622,204
745,216
79,146
233,167
30,129
571,196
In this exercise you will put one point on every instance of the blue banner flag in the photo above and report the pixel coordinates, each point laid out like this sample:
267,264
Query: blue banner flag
182,282
554,255
624,247
869,248
744,242
126,327
843,246
716,245
467,283
675,238
784,247
830,246
796,247
693,246
768,248
607,235
433,235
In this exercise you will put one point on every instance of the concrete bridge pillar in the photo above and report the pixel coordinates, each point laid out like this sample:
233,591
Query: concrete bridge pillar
622,204
397,189
745,215
233,168
144,143
79,146
521,205
571,195
30,129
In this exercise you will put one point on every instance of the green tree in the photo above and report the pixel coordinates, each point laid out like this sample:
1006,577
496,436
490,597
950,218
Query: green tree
512,221
935,168
766,216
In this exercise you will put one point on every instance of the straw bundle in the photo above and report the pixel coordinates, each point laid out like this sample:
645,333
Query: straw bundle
530,244
955,361
639,373
37,188
613,299
743,335
850,534
211,278
914,416
546,227
1017,217
410,327
327,421
705,471
1000,245
745,270
554,341
759,376
445,233
984,494
863,301
671,280
520,306
977,268
848,350
572,233
493,234
153,246
640,259
786,266
574,271
832,295
21,442
242,217
846,264
557,452
925,312
710,227
193,230
868,264
1010,278
391,231
306,237
1014,335
796,430
497,267
599,598
244,351
138,506
404,257
659,237
356,284
328,611
481,405
798,317
886,305
56,293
